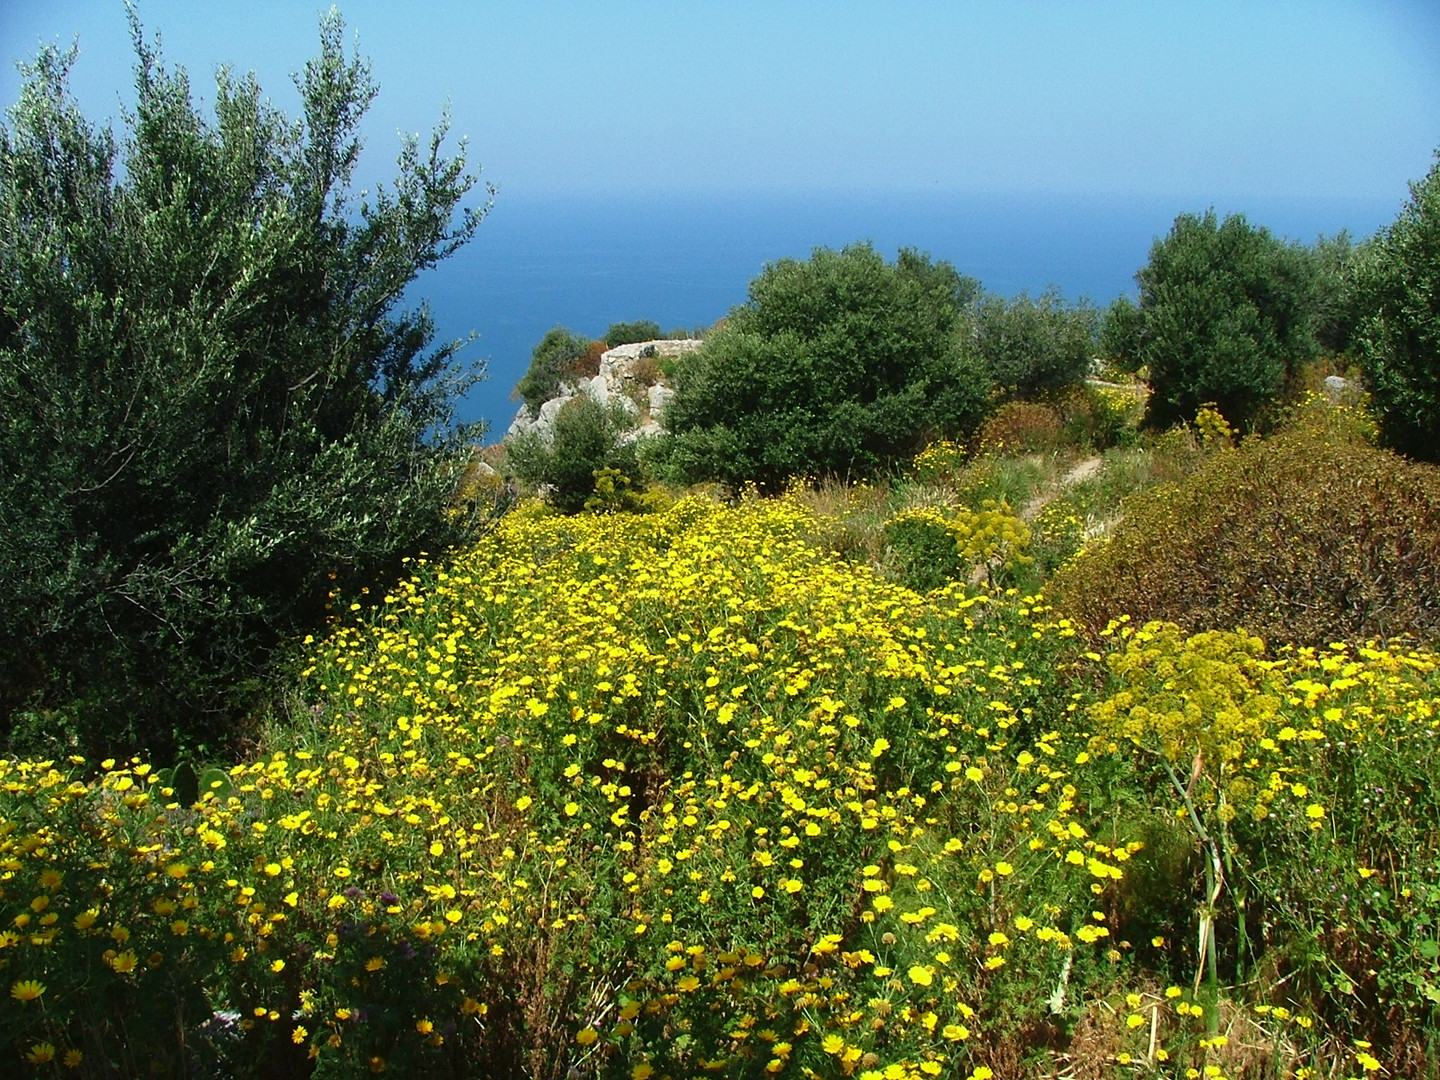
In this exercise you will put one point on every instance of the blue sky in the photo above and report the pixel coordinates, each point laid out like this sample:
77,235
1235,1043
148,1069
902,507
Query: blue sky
653,155
1203,101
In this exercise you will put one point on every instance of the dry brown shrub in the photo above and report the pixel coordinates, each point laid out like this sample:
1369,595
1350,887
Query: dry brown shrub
1309,537
1022,427
587,364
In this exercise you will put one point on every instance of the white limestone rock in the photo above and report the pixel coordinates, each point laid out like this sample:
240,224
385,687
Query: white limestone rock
624,377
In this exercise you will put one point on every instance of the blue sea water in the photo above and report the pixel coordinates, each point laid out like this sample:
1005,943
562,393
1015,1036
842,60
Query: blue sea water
684,261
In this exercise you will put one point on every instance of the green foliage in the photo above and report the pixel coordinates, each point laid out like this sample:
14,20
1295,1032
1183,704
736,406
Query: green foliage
1099,417
616,493
1056,534
1398,293
1031,347
214,412
932,548
587,442
1228,311
626,333
1307,775
838,365
550,361
599,793
1337,302
1119,335
1309,537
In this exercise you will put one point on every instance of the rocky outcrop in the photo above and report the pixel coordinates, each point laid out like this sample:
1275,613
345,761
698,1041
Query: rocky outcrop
629,375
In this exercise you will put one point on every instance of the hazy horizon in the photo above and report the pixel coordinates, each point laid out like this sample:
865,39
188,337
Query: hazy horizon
1084,129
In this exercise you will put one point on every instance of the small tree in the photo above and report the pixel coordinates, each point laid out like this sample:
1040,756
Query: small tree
1336,260
843,364
1398,297
1119,334
215,413
1228,313
588,439
550,362
627,333
1031,347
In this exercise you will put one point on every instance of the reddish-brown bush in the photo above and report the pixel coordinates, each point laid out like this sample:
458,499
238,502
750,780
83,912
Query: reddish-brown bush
1309,537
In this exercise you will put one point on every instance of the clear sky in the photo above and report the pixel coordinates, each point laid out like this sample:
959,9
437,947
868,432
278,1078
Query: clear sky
1213,101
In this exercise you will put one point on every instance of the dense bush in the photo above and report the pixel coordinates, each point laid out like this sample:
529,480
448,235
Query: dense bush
1337,301
839,365
1021,427
627,333
1031,347
588,439
1309,537
215,413
1398,296
558,355
1119,333
1227,311
930,548
1099,417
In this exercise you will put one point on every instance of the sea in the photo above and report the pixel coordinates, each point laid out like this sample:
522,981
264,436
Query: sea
684,260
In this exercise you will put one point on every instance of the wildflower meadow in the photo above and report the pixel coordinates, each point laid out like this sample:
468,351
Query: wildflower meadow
685,794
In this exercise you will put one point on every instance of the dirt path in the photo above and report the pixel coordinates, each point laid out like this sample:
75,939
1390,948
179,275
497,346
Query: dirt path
1083,471
1080,472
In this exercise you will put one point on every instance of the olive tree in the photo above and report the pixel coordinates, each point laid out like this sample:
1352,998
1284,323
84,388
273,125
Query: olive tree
1031,347
1398,299
1228,313
217,413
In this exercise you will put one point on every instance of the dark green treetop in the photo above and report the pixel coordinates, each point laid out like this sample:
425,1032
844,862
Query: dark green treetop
842,364
1398,326
1228,314
216,410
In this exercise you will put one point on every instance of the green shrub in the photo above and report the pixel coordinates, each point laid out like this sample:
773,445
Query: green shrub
558,355
1056,534
1228,310
840,366
1009,480
1118,335
1099,417
932,548
1031,347
587,441
627,333
1308,537
1398,295
940,460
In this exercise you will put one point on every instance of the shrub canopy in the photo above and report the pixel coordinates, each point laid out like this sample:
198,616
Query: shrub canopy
1309,537
1398,292
838,365
588,438
1228,312
555,357
1032,347
215,413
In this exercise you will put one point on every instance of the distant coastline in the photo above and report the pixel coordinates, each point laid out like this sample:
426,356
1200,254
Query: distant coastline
685,260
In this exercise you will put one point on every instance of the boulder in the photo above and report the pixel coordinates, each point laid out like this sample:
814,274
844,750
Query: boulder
623,374
659,396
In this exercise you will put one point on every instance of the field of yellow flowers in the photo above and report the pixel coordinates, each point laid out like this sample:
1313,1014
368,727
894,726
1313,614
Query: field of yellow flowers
681,794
